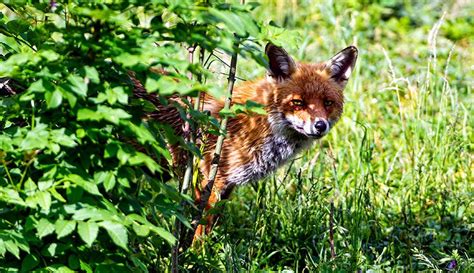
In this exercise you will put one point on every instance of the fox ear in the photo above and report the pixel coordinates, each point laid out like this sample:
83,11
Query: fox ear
341,65
281,65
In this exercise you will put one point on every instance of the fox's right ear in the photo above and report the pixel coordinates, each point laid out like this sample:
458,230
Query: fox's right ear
281,65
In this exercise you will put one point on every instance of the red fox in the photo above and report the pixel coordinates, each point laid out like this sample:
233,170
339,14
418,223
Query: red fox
302,102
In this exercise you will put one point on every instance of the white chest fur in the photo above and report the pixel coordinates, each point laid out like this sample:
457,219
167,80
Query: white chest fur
275,151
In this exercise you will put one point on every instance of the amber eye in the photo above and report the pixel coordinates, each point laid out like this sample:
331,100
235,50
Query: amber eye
297,103
328,103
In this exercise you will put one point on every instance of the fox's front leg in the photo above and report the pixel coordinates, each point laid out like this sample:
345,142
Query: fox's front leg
210,218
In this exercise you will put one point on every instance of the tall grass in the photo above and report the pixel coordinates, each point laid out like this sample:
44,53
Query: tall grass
397,168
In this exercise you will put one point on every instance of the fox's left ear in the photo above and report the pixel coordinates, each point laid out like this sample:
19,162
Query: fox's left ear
341,65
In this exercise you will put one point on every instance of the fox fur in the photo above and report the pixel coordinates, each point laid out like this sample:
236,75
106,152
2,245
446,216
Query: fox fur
303,101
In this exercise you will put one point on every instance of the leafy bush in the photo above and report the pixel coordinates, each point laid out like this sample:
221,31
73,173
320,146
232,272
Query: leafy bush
82,173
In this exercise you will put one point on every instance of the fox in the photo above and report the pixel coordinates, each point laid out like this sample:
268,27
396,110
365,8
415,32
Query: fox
302,103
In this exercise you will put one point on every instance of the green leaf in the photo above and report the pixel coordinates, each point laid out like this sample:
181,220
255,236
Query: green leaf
3,249
11,196
85,266
53,99
87,114
88,186
44,185
88,232
141,230
38,138
58,268
49,55
29,262
30,186
139,264
10,42
117,232
12,248
94,213
77,85
163,233
238,23
114,115
44,227
57,195
60,137
44,200
109,181
64,227
127,60
92,74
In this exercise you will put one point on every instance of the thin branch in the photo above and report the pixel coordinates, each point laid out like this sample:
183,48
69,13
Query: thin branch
221,73
188,134
220,140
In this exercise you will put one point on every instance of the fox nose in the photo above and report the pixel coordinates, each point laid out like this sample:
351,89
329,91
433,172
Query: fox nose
320,126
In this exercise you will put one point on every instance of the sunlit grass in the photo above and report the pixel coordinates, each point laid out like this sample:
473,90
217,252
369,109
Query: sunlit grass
397,168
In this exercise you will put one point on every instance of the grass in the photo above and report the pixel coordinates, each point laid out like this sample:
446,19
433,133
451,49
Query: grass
394,177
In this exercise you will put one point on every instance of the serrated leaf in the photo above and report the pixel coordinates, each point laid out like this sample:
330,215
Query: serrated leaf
88,232
117,232
64,227
44,227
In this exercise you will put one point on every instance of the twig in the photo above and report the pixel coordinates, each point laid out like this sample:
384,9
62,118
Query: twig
220,140
188,133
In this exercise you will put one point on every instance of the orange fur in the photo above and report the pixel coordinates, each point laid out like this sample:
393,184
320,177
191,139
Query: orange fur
294,95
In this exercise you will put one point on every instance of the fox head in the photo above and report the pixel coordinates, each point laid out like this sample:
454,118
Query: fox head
308,98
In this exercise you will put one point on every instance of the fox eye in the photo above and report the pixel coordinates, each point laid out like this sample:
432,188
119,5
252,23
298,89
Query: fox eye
297,103
328,103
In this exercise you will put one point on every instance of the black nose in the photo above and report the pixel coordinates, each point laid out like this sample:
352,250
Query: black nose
320,126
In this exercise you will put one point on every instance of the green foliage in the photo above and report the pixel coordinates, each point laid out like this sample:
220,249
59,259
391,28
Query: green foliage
82,173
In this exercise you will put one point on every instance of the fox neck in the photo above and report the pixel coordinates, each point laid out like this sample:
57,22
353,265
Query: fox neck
280,145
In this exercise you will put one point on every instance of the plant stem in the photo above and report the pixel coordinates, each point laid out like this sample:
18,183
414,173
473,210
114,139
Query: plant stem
8,172
220,140
188,132
331,230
